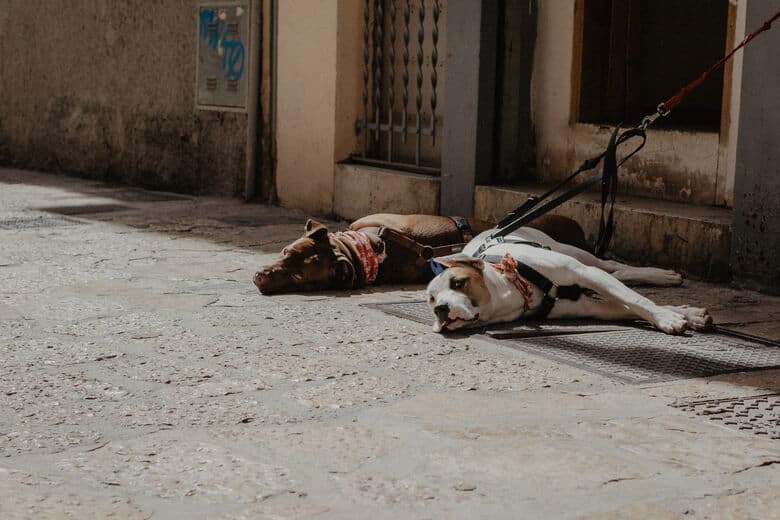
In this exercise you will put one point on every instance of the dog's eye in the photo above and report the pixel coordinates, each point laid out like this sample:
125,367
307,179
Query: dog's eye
431,299
285,252
458,283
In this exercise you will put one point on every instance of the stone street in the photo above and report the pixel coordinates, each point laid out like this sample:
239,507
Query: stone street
142,375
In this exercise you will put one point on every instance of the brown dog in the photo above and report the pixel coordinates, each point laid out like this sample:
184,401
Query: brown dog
320,260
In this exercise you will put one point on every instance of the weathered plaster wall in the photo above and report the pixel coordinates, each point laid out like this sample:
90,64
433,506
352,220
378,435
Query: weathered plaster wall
756,242
106,89
319,91
675,165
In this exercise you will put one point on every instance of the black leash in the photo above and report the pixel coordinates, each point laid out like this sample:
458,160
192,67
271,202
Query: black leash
534,206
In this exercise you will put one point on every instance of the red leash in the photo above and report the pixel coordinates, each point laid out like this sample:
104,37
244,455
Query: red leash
671,103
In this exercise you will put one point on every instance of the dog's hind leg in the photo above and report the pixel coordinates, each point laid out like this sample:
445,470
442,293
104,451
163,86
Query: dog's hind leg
627,274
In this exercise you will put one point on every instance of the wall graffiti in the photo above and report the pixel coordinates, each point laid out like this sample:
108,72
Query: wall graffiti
215,32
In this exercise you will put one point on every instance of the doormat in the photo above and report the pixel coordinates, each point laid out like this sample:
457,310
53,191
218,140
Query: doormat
626,352
758,414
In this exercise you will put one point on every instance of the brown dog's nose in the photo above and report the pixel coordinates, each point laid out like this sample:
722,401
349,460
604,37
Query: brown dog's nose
260,279
442,312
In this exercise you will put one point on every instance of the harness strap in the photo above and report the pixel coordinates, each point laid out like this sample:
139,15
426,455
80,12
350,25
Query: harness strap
463,226
423,252
566,292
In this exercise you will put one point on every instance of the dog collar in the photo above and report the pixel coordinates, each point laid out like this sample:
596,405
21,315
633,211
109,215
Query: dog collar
551,292
361,245
508,266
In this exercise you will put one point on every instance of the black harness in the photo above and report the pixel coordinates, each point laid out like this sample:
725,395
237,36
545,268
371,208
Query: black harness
535,207
551,292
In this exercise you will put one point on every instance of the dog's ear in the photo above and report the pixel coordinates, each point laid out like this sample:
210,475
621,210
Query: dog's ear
460,259
314,229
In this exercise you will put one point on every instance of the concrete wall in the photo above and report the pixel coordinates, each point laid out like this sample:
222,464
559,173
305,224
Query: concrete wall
756,242
675,165
106,89
319,86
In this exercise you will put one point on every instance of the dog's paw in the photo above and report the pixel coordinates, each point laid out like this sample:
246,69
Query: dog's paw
698,318
666,278
670,321
649,276
661,277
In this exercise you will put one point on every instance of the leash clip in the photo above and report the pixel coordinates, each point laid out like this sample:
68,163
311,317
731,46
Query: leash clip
660,111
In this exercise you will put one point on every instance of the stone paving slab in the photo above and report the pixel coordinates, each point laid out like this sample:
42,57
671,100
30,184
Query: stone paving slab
144,376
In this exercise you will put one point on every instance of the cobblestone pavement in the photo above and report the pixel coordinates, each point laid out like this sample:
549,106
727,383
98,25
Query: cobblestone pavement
143,375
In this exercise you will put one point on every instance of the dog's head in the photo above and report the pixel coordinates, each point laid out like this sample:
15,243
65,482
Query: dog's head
313,262
459,293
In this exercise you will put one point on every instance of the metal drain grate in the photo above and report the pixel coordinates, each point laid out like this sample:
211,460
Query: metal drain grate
646,356
630,354
759,414
416,311
36,222
86,209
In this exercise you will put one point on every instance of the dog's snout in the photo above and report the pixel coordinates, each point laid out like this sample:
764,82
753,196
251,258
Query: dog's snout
442,312
265,280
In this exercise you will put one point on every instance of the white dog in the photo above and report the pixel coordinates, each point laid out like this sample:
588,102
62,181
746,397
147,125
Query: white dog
529,274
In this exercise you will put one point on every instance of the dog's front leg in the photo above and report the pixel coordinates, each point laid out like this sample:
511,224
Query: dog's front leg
586,307
664,318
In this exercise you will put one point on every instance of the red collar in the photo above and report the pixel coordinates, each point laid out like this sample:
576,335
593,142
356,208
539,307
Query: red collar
508,266
361,244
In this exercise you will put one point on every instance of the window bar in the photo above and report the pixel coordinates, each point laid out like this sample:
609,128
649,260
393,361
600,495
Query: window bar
366,19
420,40
434,61
391,80
405,75
378,57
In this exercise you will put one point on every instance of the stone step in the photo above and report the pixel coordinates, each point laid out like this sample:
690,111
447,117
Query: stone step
693,239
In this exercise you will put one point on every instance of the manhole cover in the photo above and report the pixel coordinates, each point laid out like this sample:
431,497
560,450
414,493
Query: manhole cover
647,356
416,311
86,209
759,414
34,222
627,353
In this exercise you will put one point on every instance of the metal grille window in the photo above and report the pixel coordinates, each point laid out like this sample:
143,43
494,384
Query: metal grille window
402,84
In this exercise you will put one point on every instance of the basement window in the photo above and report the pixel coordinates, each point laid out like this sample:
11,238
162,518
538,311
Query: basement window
637,53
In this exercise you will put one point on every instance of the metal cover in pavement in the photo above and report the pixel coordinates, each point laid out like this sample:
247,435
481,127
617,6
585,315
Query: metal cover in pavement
622,352
647,356
758,414
35,222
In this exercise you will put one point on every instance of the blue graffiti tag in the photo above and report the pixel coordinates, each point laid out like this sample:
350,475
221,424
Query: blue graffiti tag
233,51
